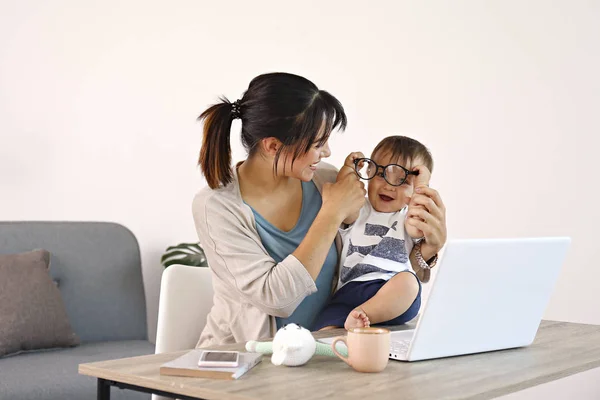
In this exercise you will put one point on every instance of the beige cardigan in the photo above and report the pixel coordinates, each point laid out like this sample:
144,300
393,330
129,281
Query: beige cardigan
251,289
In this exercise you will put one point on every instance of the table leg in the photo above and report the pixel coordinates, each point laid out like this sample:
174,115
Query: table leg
103,389
104,386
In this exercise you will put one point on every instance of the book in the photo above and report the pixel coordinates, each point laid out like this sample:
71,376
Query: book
187,365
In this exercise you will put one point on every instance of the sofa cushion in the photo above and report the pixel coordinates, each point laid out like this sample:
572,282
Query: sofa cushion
99,273
32,313
52,374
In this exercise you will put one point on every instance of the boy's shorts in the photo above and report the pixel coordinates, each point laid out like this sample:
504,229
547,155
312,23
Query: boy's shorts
352,295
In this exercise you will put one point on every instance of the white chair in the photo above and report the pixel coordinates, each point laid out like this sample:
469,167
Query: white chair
186,297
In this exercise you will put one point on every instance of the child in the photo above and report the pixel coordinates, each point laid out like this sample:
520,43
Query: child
377,284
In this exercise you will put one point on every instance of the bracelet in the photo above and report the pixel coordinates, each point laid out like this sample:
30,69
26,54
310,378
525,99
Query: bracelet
426,265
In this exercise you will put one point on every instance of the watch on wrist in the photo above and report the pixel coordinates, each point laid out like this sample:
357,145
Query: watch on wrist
421,261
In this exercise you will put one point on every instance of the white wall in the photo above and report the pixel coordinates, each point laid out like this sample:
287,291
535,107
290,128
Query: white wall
98,102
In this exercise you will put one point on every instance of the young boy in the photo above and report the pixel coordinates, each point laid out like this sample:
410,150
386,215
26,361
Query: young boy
377,284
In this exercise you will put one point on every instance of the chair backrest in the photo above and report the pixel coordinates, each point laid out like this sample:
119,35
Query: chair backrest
98,270
186,297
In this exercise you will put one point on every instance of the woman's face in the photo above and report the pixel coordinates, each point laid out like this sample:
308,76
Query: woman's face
304,166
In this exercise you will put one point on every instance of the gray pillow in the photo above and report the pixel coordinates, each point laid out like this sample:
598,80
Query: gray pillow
32,313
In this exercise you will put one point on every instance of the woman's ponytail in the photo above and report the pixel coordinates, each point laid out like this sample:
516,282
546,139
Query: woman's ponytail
215,153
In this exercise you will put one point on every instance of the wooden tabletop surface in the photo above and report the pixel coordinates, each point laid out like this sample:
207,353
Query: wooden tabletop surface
560,349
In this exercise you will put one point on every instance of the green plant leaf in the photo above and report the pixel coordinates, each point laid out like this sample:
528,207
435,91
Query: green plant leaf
191,261
186,254
179,253
190,246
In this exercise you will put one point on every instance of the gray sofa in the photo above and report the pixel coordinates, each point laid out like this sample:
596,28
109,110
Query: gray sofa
98,271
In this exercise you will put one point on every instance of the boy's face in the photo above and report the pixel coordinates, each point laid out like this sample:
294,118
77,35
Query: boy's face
385,197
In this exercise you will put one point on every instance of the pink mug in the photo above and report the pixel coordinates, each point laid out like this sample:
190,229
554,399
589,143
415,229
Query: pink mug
368,348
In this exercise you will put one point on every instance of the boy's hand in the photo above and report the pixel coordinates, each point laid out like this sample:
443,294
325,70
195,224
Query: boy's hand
421,181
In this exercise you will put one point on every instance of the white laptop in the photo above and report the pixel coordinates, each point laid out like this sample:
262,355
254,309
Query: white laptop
489,294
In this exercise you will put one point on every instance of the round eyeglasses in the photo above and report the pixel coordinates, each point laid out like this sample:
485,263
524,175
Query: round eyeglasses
393,174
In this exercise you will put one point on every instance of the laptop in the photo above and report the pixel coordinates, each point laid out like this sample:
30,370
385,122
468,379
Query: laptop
489,294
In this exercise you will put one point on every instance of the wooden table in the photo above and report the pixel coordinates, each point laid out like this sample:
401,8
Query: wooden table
560,349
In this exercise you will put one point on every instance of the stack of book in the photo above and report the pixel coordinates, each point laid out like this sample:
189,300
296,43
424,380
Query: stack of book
187,365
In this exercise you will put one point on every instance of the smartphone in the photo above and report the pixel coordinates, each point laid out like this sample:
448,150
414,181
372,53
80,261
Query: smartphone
213,358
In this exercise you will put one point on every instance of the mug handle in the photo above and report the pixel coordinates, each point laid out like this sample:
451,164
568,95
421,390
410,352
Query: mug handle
335,341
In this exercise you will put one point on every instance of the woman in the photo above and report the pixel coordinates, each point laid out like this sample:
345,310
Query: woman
269,225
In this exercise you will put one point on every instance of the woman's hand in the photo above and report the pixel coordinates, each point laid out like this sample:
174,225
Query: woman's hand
421,180
430,219
345,197
349,161
348,167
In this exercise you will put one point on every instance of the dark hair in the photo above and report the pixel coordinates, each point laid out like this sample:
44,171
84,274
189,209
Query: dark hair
280,105
406,149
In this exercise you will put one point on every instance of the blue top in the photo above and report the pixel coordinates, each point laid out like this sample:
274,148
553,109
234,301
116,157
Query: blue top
280,244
